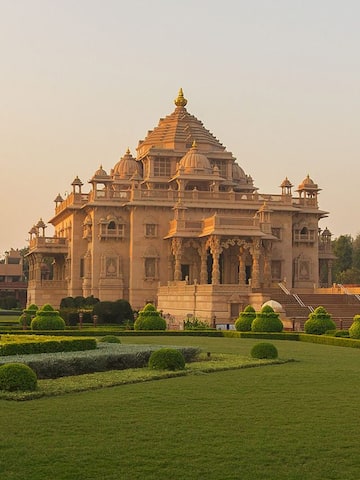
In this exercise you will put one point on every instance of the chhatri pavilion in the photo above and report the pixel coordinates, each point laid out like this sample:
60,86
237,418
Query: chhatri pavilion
180,225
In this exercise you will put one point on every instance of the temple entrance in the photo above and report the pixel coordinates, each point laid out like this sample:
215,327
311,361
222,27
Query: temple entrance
185,271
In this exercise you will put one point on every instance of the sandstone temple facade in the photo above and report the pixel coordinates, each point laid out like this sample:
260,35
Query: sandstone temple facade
181,225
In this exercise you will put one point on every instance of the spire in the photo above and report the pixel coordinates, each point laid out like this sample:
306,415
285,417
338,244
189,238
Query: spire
180,101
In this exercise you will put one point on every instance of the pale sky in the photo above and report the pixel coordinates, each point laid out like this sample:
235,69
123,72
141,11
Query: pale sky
276,81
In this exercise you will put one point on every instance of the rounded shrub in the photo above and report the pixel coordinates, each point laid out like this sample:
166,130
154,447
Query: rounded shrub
17,377
354,330
267,321
319,322
167,359
110,339
245,319
47,319
150,319
264,350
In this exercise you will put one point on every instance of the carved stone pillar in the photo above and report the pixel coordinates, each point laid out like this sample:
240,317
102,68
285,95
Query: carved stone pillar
176,247
37,267
267,263
203,263
215,250
242,271
255,252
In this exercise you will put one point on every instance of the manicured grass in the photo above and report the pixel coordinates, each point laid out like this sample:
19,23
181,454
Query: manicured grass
293,421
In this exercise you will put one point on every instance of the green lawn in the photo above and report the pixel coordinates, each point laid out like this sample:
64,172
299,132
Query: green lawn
293,421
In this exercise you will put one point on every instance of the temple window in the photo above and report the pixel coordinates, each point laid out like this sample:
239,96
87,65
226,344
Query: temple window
111,229
150,267
150,230
276,232
162,167
305,235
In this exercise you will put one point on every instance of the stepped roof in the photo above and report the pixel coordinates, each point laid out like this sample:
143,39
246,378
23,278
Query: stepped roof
178,131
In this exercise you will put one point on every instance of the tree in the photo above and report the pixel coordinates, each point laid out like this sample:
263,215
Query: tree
343,249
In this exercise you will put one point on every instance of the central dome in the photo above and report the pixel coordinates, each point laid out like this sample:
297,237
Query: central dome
193,161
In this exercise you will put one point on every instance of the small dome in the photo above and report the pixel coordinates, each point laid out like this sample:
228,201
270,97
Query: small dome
326,233
41,224
100,176
78,182
286,183
100,172
276,306
308,184
126,166
193,161
238,173
58,199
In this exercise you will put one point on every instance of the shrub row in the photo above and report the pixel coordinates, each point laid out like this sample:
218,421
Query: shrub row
108,357
329,340
48,346
294,336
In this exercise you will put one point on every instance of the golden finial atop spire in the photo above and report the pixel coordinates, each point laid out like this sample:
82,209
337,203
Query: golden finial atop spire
128,151
180,101
194,144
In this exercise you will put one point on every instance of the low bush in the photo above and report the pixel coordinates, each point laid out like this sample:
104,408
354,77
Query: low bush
193,323
110,339
245,319
47,319
37,345
17,377
150,319
267,321
108,356
354,330
27,315
167,359
264,350
319,322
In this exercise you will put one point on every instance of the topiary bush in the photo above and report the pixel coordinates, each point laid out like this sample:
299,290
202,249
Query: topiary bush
245,319
319,322
150,319
167,359
110,339
264,350
28,314
354,330
47,319
17,377
267,321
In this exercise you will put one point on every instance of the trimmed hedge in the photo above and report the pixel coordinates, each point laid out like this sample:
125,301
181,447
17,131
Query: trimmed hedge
267,321
319,322
329,340
110,339
245,319
47,319
105,357
167,359
150,319
17,377
354,330
48,346
264,350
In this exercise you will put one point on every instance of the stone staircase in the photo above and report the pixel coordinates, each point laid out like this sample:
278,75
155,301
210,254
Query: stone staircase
298,306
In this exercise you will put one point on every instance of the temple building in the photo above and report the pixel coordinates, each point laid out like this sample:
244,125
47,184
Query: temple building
181,225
